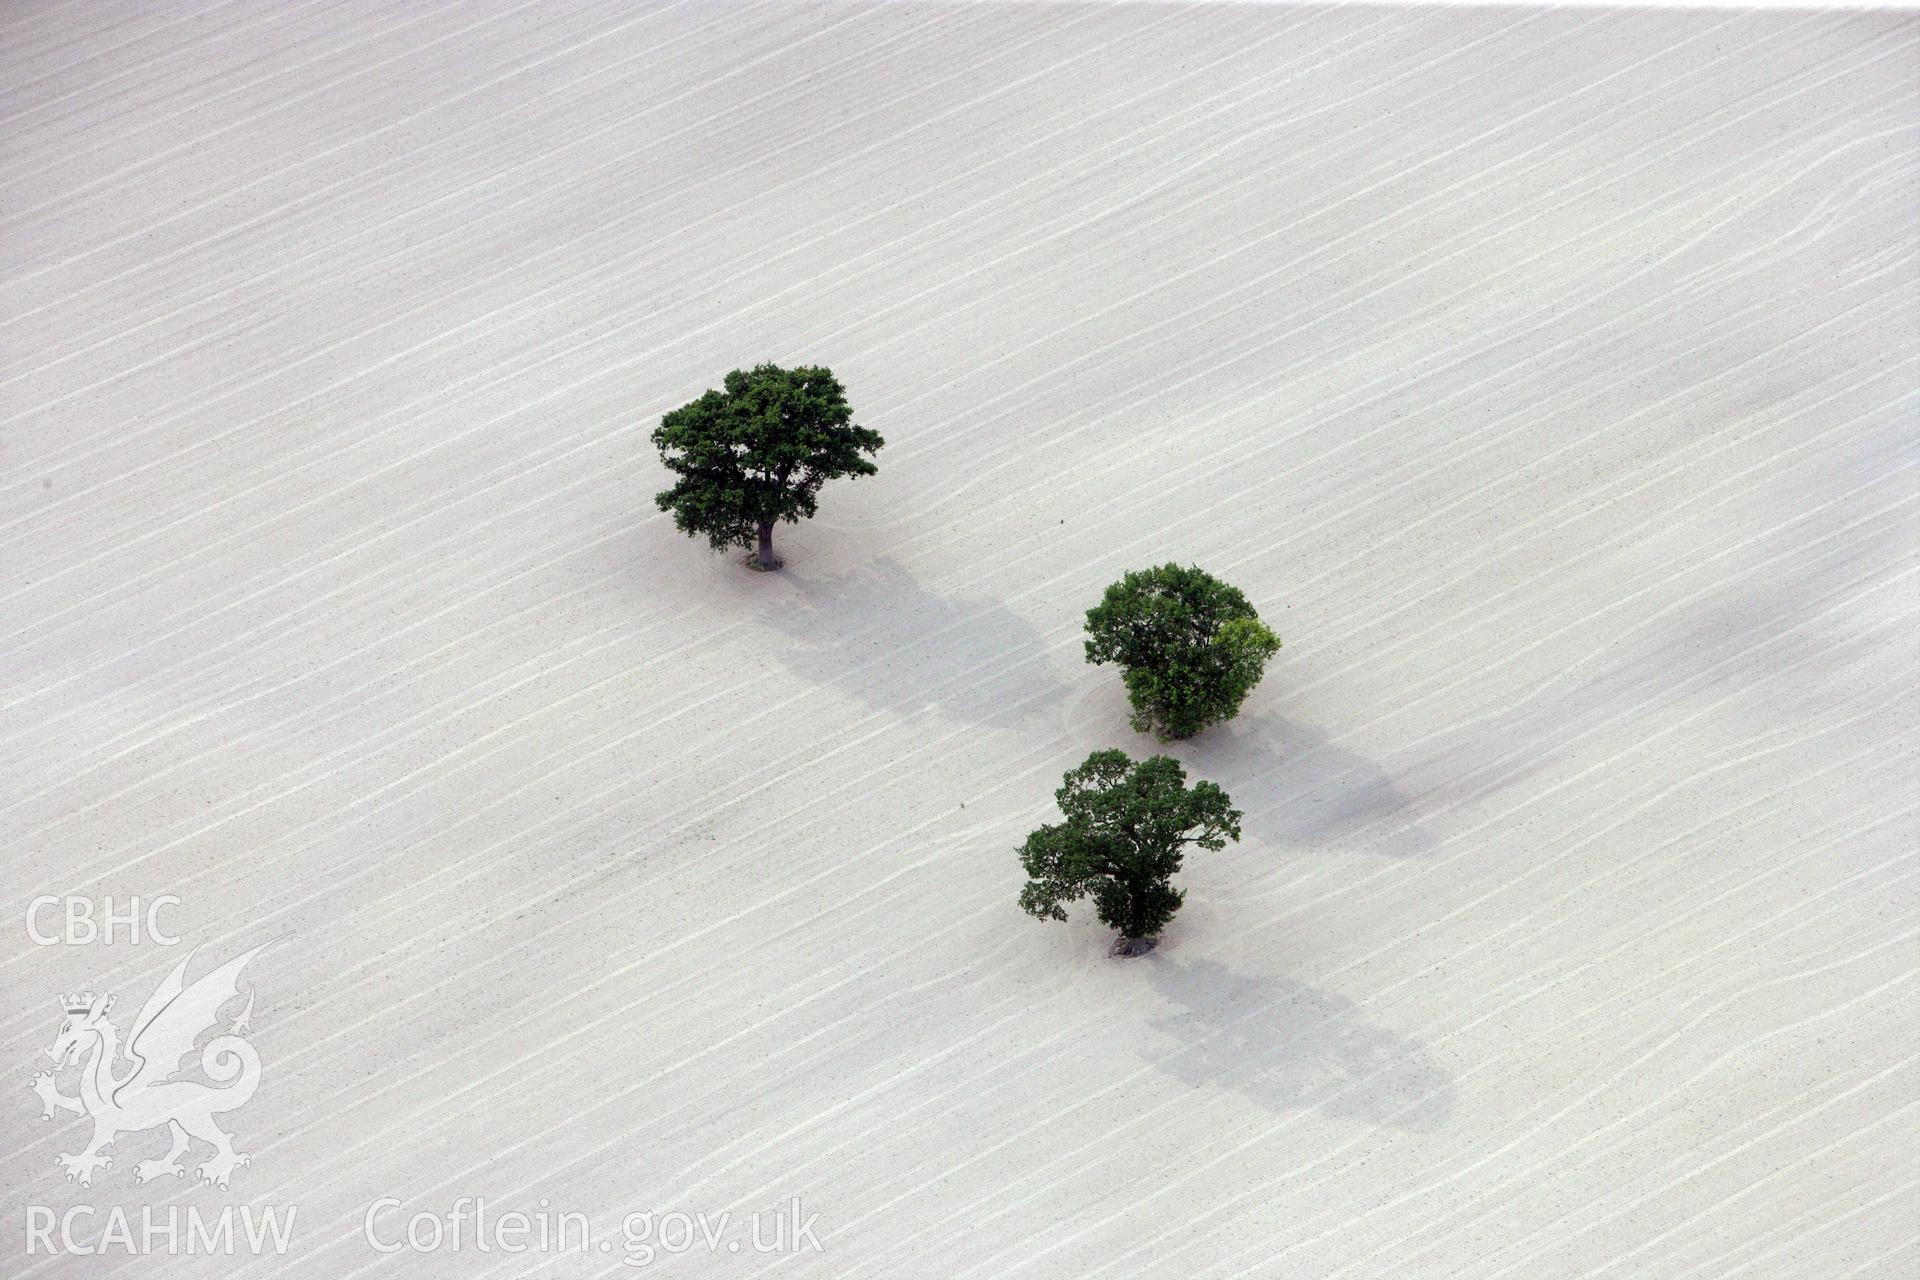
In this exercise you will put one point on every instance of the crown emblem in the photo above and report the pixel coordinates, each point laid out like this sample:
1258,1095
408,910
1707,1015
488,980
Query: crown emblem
79,1002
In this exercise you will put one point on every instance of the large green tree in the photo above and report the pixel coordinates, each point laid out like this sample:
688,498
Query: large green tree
1126,832
756,453
1190,647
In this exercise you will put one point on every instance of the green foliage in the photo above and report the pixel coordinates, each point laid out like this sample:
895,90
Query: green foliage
758,452
1190,647
1126,830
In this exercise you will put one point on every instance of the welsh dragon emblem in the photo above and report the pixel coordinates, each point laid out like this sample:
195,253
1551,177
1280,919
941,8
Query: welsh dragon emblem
147,1094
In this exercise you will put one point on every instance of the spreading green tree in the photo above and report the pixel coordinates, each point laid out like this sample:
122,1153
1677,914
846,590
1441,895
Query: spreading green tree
1190,647
1127,829
757,452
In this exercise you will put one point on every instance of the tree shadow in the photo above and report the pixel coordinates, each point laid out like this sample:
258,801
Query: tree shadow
880,636
1285,1046
1297,787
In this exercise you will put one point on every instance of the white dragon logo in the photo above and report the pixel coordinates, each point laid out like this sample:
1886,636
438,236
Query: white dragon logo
147,1094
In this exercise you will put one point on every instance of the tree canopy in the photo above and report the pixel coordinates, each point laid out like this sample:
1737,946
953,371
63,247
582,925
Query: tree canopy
1126,832
757,452
1190,647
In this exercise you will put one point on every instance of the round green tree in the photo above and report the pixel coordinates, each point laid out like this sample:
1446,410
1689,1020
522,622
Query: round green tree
1189,646
757,452
1126,832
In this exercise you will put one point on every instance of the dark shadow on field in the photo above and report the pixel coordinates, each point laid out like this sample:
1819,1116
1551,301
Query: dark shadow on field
1788,616
882,637
1286,1046
1775,633
1298,788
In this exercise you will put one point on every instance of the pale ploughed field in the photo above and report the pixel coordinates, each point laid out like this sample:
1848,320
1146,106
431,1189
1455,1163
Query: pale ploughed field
1545,377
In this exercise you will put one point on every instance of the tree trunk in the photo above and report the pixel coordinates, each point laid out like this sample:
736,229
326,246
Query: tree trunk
1131,942
764,559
